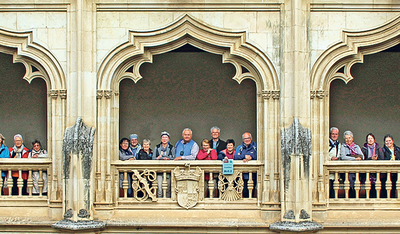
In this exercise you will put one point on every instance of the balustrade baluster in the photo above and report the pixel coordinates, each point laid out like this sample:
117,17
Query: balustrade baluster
336,185
20,182
164,184
346,185
357,185
388,184
135,186
211,185
30,182
40,182
250,184
1,183
125,184
367,184
378,184
398,186
10,183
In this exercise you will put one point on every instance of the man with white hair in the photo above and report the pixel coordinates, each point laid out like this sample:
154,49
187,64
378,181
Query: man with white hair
186,148
334,144
216,142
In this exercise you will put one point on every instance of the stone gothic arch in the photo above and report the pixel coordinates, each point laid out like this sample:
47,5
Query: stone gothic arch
328,67
39,62
249,61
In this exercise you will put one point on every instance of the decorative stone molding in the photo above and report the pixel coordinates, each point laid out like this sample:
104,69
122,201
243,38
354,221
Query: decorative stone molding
99,94
320,94
275,94
107,94
231,186
142,46
351,50
63,93
53,94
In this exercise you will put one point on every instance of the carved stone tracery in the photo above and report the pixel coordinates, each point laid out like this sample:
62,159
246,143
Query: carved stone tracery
231,186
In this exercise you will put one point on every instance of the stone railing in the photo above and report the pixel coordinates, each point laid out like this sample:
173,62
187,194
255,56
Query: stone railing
363,180
159,181
25,171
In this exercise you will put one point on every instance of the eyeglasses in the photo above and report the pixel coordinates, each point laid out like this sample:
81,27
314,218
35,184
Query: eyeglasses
247,138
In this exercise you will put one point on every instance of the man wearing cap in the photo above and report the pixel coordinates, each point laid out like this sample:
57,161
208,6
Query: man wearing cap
19,151
186,148
217,143
164,151
135,146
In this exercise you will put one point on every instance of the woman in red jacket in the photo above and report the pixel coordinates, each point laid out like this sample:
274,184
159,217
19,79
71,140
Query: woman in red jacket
19,151
207,153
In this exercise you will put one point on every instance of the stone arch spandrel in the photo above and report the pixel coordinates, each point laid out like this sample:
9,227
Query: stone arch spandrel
141,46
38,61
351,50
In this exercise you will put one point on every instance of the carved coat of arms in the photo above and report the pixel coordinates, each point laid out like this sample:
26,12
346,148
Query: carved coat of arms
187,186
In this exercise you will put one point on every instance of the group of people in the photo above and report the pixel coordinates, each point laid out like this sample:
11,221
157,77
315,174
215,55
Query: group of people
20,151
371,150
186,149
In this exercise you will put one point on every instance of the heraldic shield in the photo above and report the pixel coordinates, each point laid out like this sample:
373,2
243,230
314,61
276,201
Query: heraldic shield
187,186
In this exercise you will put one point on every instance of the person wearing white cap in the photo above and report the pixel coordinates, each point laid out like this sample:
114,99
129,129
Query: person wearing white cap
19,151
134,146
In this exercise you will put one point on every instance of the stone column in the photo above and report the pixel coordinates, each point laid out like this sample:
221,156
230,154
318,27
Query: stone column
296,164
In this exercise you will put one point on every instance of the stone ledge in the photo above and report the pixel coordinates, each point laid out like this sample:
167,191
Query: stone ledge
66,224
306,226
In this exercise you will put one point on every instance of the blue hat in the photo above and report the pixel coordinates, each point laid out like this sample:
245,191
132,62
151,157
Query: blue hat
133,136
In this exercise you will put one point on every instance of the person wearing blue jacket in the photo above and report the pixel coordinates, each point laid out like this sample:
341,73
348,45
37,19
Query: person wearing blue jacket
247,151
4,153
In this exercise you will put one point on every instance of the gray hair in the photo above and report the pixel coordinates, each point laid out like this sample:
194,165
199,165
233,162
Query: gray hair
215,127
348,132
146,141
333,128
248,133
187,129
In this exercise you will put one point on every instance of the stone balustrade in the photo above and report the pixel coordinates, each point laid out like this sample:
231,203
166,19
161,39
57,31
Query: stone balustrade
156,181
363,180
25,167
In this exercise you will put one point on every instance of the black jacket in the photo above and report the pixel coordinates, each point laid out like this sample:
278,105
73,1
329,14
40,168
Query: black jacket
221,145
386,152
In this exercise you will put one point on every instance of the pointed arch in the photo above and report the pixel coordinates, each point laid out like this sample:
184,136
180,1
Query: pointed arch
351,50
336,63
141,47
38,61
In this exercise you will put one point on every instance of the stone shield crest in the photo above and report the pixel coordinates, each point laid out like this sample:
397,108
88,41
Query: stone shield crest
187,186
